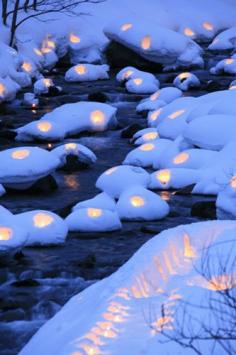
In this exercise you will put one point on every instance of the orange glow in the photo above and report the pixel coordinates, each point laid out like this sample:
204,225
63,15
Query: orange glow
233,182
94,337
113,318
47,82
38,52
222,282
138,81
104,325
176,114
71,182
147,147
123,293
208,26
184,75
162,323
97,117
46,50
181,158
137,201
2,89
229,61
126,26
154,115
127,74
5,233
80,69
44,126
90,349
20,154
70,146
111,171
74,38
27,67
188,32
189,251
146,42
42,220
155,96
150,136
49,44
165,195
94,212
163,176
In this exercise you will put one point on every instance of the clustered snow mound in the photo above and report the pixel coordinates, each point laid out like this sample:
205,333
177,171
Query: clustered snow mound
142,305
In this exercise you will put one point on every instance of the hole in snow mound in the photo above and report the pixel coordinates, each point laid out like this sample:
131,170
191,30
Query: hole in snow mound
44,126
137,201
94,212
181,158
126,26
42,220
5,233
146,42
20,154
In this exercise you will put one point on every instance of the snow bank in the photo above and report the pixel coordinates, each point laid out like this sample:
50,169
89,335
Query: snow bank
87,72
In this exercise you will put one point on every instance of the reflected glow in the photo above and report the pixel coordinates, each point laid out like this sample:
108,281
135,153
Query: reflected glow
163,176
146,42
229,61
111,171
189,251
181,158
74,38
97,117
26,66
94,212
208,26
150,136
42,220
80,69
70,146
233,182
155,96
44,126
20,154
184,75
137,201
165,195
71,182
2,89
176,114
147,147
138,81
188,32
126,26
154,115
5,233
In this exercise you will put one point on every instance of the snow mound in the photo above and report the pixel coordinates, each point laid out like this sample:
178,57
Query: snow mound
102,200
186,81
84,155
87,72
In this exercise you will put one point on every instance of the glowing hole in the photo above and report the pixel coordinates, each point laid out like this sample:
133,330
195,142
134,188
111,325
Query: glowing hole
154,115
176,114
97,117
47,82
233,182
208,26
27,67
138,81
155,96
164,176
126,26
229,61
150,136
42,220
80,69
74,38
111,171
94,212
71,146
188,32
5,233
137,201
181,158
2,89
147,147
146,42
184,76
44,126
20,154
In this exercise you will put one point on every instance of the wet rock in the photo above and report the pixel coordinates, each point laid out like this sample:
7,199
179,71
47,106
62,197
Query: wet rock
118,56
213,85
12,315
45,309
19,255
129,131
25,283
97,96
45,185
204,209
88,262
65,211
150,229
74,164
185,190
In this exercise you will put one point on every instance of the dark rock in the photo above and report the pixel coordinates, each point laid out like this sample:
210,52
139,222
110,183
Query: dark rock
213,85
88,262
204,209
54,91
19,255
97,96
119,56
74,164
129,131
65,211
45,185
7,134
26,283
150,229
185,190
12,315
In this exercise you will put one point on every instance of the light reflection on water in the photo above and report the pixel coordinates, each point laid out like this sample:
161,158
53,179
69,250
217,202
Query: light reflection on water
165,195
71,181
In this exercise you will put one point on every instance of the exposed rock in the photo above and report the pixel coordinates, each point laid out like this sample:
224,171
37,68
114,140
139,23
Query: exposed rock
97,96
204,209
213,85
25,283
12,315
129,131
45,185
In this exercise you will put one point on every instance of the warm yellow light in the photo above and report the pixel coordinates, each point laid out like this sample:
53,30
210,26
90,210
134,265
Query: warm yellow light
163,176
147,147
50,44
184,75
137,201
176,114
47,82
208,26
27,67
46,50
150,136
181,158
111,171
146,42
94,212
71,146
189,251
138,81
74,38
97,117
188,32
155,96
233,182
5,233
126,26
20,154
42,220
127,74
80,69
44,126
38,52
229,61
154,115
2,89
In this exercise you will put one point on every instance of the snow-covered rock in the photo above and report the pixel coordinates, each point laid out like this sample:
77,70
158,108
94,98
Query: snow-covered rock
186,81
12,236
224,40
102,200
193,159
145,135
42,86
83,154
83,48
87,72
115,180
227,66
137,81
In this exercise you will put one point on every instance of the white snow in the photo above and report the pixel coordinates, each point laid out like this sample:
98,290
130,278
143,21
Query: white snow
87,72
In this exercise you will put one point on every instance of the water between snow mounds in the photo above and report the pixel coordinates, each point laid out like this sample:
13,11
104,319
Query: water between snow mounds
36,283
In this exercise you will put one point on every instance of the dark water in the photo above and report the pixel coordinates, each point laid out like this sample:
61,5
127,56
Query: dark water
37,283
